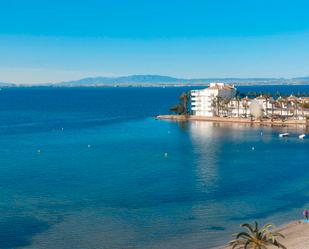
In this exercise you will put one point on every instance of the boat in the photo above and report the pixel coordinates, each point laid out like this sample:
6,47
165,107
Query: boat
284,134
302,136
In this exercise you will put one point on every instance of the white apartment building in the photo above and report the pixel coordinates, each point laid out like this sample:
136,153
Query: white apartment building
239,107
203,101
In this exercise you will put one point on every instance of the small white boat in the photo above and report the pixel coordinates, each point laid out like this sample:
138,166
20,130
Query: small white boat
302,136
284,134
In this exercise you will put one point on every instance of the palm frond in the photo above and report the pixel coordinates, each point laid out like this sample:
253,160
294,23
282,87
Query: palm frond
277,234
267,227
247,244
256,226
243,234
256,238
248,226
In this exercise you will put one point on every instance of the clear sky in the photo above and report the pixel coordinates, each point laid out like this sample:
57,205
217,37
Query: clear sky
55,40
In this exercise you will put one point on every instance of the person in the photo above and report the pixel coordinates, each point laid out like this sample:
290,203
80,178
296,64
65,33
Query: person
306,214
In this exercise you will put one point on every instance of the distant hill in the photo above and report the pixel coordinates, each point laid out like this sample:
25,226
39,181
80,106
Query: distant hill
159,80
124,80
2,84
306,78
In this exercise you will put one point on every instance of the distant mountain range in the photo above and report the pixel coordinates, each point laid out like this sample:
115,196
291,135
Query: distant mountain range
2,84
125,80
159,80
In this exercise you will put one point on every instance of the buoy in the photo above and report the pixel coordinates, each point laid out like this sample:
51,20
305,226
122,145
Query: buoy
89,146
39,151
165,154
62,129
253,148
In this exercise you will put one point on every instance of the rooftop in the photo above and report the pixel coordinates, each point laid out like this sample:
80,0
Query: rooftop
219,85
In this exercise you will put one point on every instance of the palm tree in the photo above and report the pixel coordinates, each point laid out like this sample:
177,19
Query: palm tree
256,238
295,104
289,109
304,105
245,105
184,101
225,106
218,104
273,102
281,101
238,99
214,104
182,107
267,97
178,109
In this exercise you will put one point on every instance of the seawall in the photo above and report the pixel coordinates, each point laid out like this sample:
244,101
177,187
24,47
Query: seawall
290,122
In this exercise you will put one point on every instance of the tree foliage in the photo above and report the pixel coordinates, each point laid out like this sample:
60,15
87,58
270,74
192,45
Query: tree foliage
256,238
182,107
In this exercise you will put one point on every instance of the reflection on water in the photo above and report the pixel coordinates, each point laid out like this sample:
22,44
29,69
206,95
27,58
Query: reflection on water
245,172
124,193
206,152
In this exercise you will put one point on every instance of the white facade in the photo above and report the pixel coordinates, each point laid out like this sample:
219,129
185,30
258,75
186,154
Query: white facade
219,100
239,107
203,101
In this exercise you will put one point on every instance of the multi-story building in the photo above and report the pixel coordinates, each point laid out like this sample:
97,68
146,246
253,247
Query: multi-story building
238,107
205,102
220,100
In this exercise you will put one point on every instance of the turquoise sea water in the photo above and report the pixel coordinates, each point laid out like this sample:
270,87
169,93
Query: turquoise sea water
91,168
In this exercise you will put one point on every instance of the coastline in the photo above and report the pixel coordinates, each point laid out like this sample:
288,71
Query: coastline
296,232
182,118
296,235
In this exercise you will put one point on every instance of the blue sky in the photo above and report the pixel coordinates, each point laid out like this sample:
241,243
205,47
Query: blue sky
49,41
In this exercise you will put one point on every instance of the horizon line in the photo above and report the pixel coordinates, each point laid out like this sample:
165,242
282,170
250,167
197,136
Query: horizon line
176,78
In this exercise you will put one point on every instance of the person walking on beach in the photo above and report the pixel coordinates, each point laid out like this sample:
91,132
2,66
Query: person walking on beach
306,214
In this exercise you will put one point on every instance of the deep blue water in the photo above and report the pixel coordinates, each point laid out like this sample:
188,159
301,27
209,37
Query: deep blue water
86,168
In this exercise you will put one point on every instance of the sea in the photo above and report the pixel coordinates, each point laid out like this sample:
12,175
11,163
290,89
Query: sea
91,168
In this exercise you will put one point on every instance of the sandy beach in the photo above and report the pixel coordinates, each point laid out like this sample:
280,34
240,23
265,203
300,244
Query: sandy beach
296,235
291,122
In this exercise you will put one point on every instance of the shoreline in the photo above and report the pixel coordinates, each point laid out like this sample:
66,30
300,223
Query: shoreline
296,235
296,232
183,118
